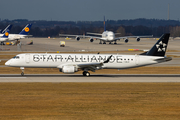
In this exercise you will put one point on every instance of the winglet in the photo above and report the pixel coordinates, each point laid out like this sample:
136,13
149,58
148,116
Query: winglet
26,29
108,59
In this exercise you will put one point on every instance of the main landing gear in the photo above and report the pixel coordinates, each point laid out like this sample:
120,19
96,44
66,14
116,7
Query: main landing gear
22,68
100,42
85,73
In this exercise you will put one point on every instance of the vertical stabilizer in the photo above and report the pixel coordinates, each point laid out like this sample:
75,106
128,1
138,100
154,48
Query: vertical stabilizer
8,28
6,34
159,49
26,29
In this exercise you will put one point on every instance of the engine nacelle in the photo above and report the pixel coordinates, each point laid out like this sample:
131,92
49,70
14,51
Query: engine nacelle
138,39
126,40
68,69
77,38
91,40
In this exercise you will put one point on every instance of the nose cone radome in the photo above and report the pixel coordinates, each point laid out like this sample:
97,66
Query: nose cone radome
7,63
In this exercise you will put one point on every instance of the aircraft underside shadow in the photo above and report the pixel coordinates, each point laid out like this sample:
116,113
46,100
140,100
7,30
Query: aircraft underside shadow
92,76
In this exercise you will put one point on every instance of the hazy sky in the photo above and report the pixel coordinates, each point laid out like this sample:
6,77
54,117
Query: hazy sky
88,10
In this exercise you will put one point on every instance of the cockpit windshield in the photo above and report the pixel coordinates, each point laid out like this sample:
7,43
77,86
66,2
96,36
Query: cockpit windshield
16,57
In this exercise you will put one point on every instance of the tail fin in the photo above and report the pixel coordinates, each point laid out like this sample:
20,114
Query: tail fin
159,49
26,29
6,29
104,24
6,34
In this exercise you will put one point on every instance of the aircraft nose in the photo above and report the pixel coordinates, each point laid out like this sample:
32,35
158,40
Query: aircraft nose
8,63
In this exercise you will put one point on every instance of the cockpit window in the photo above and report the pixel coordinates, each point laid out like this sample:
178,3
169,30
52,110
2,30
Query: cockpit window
16,57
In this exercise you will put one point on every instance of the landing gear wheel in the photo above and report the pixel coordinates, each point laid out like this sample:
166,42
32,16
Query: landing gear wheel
104,42
87,74
84,73
22,74
109,42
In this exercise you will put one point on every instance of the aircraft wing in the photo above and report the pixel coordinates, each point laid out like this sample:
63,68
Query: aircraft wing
82,36
125,37
28,36
93,33
88,66
67,35
93,66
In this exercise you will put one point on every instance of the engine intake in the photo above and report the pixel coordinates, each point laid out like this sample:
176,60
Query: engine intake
126,40
91,40
77,38
138,39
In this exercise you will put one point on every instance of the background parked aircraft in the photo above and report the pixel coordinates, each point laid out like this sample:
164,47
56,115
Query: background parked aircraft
106,36
21,35
5,36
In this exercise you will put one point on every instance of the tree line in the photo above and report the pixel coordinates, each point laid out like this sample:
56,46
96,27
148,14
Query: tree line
125,27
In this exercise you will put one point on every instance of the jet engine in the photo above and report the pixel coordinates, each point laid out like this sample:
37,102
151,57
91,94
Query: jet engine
68,69
91,40
137,39
77,38
126,40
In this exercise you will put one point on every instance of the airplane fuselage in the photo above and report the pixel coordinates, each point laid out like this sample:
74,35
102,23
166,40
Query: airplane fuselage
108,36
12,37
59,60
71,63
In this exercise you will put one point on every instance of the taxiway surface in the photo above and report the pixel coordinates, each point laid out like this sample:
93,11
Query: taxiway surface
93,78
53,44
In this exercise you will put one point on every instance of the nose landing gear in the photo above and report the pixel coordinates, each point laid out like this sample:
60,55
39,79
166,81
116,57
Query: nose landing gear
22,68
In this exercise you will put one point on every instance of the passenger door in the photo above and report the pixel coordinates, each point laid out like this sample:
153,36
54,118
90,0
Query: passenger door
27,58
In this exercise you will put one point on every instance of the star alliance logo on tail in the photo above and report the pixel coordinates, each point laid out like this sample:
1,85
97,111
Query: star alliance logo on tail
161,47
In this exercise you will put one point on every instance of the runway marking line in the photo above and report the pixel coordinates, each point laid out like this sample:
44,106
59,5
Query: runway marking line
13,77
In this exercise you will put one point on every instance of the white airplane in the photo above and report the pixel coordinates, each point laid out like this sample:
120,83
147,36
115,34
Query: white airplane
106,36
71,63
5,36
21,35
